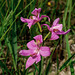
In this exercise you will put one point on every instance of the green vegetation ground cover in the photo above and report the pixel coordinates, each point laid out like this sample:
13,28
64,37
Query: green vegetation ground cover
14,35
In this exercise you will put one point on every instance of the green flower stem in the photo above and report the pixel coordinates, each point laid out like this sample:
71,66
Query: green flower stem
41,62
46,36
36,68
39,26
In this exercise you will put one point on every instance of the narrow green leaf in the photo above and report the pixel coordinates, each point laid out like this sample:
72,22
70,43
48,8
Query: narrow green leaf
2,58
10,49
14,20
66,63
13,33
57,63
66,36
2,65
36,67
49,63
24,8
73,62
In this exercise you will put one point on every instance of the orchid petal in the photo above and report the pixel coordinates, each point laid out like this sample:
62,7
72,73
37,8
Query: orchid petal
22,19
32,45
25,20
38,58
42,16
46,25
54,36
34,17
30,61
38,39
58,27
56,21
29,21
45,51
62,32
36,11
25,52
30,24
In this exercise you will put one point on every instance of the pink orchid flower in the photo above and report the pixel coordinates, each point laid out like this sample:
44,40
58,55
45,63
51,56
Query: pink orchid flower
34,19
56,29
35,51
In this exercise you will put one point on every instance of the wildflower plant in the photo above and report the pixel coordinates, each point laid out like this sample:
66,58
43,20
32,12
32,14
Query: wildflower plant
35,51
35,47
34,19
56,29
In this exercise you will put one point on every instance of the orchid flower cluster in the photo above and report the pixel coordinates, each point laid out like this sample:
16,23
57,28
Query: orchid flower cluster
35,49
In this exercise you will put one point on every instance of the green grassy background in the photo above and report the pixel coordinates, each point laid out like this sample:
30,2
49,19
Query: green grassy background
14,34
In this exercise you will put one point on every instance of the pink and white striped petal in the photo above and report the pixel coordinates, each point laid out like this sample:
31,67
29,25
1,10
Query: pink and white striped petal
30,61
57,27
30,24
38,58
54,36
36,11
38,39
25,52
32,45
62,32
45,51
56,21
25,20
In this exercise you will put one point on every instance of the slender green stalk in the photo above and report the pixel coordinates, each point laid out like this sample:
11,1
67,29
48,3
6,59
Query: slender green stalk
46,36
67,63
10,48
36,68
14,36
3,66
25,8
39,26
35,72
57,63
41,62
64,25
66,36
70,10
48,65
22,29
2,5
7,30
40,66
15,19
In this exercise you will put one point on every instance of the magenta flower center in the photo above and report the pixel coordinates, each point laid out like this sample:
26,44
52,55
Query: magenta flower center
33,55
31,17
37,13
38,42
55,30
37,51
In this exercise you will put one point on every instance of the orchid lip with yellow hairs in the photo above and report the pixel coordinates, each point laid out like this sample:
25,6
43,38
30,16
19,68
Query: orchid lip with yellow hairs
35,51
56,29
34,19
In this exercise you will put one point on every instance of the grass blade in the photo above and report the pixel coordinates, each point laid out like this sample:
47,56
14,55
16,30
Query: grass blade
2,65
66,63
66,36
48,65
